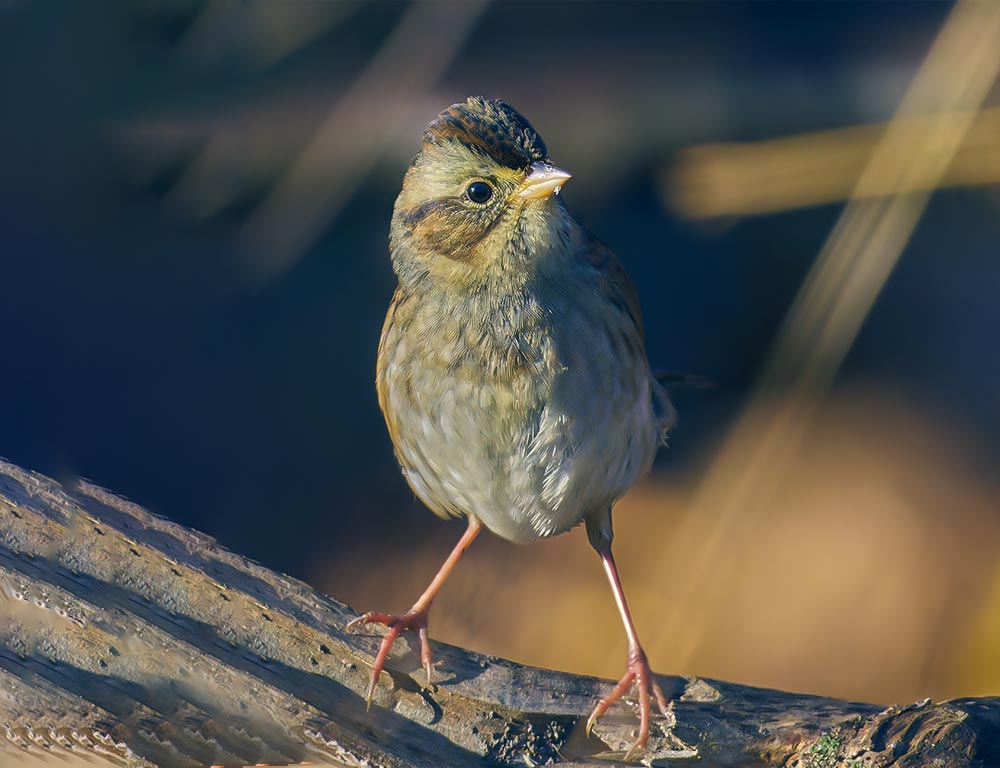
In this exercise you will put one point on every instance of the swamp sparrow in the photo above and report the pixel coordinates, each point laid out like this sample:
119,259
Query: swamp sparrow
511,370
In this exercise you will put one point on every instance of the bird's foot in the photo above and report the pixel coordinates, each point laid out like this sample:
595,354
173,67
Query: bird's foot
638,672
414,620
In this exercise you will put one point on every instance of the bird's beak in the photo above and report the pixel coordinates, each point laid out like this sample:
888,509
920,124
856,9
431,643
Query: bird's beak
542,181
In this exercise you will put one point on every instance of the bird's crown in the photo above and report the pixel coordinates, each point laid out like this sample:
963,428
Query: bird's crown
491,127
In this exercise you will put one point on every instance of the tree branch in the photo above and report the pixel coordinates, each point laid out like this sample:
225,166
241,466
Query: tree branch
126,636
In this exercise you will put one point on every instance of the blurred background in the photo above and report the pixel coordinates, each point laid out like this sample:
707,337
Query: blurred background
194,208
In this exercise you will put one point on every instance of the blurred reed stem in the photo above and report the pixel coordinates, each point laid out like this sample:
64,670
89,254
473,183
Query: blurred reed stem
714,180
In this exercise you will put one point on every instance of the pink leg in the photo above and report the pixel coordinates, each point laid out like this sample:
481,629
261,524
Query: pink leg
414,619
637,670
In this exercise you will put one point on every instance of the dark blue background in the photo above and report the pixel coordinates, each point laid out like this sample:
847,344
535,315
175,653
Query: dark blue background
138,352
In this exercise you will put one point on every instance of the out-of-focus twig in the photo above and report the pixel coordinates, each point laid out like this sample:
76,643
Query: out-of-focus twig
366,119
833,303
260,31
712,180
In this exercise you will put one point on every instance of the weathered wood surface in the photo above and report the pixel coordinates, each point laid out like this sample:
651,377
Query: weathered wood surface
130,637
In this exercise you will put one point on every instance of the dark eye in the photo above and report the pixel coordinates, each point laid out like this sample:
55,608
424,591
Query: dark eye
479,192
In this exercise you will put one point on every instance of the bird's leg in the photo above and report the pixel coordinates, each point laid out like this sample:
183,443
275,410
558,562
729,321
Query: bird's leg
637,667
414,619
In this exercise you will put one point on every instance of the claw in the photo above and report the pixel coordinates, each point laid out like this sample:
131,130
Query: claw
638,672
425,654
412,620
363,619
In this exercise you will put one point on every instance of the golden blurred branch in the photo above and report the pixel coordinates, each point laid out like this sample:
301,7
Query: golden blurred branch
720,180
128,640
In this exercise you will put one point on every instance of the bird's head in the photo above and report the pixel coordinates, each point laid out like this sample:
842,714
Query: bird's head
479,197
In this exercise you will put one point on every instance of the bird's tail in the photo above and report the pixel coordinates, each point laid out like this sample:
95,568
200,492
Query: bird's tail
663,410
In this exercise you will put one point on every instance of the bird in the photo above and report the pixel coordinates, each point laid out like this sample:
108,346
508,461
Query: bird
511,370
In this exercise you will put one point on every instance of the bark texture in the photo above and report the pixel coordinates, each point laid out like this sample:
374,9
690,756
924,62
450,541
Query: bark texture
128,637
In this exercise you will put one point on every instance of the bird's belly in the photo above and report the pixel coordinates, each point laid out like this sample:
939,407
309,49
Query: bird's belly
530,457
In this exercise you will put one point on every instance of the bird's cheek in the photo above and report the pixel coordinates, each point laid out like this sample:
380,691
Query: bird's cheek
433,239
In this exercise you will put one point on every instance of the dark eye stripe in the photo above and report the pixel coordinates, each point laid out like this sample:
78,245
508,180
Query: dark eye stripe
414,216
450,226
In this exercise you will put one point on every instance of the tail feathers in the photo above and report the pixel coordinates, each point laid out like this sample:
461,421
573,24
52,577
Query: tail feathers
663,410
673,380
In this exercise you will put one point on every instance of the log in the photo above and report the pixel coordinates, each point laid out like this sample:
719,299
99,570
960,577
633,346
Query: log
130,639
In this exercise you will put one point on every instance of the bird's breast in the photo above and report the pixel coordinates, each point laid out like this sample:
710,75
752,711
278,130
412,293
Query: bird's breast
502,410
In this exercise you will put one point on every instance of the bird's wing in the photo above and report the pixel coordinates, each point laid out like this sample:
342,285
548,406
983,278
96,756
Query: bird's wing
615,282
621,291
